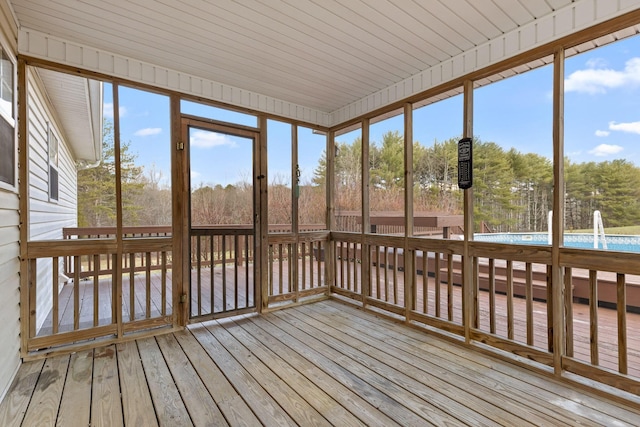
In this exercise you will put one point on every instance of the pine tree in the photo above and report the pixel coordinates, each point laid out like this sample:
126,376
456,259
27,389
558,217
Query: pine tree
97,186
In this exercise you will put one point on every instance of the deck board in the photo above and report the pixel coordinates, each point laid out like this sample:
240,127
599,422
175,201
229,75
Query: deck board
325,363
76,397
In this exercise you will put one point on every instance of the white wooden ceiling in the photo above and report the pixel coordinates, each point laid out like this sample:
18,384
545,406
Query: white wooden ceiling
325,56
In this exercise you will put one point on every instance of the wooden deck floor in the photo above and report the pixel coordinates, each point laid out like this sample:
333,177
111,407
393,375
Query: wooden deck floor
322,364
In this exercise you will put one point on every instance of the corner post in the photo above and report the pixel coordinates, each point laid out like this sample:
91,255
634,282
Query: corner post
365,249
409,254
557,329
330,189
467,262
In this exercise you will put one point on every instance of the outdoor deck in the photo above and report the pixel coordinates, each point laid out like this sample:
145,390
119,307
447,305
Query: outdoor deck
322,364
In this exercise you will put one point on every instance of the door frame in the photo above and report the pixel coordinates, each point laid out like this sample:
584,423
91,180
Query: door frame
182,241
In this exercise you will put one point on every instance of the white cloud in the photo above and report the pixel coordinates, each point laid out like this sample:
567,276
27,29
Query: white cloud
594,80
602,133
148,131
107,110
203,139
606,150
597,63
631,127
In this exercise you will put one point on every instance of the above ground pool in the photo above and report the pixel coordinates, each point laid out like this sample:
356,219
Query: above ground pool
614,242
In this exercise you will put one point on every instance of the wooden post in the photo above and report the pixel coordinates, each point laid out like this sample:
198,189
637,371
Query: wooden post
558,328
180,273
260,207
23,191
409,256
467,281
329,179
294,286
119,244
366,214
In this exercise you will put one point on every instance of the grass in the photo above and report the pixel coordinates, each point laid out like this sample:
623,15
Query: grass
630,230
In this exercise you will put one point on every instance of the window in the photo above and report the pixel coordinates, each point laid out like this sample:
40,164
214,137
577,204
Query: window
53,165
7,134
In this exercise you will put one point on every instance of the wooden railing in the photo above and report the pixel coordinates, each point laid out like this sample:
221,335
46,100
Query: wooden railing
296,267
221,270
222,267
421,281
93,302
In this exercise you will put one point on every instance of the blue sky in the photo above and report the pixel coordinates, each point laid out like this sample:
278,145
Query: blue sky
602,120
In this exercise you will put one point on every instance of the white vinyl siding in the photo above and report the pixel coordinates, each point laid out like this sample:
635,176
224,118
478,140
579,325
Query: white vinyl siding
9,250
47,217
9,289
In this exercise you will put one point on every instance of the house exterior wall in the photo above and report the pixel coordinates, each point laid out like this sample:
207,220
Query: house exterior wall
9,246
47,217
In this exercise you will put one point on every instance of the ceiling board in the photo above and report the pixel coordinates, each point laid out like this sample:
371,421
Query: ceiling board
328,56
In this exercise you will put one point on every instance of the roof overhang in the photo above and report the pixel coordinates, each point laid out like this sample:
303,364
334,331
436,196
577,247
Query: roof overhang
323,63
77,102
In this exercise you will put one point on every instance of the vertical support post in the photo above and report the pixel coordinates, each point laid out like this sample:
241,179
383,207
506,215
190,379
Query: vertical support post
262,216
295,192
119,244
467,264
181,271
23,191
557,283
366,213
409,255
329,248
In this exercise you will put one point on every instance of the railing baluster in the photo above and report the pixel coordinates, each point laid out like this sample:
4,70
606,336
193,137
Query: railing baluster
212,290
56,291
76,293
224,273
280,268
568,310
386,273
96,289
303,273
492,295
593,316
164,283
148,283
437,280
349,266
246,271
425,282
238,255
622,323
199,273
529,297
132,289
475,280
395,275
356,287
450,287
377,249
271,250
510,331
549,310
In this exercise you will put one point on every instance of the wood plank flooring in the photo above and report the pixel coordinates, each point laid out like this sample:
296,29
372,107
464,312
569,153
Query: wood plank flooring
327,363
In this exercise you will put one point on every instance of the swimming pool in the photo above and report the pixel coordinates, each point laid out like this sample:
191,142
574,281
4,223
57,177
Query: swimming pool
615,242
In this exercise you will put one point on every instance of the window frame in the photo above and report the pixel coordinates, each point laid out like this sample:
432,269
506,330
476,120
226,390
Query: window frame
9,116
53,159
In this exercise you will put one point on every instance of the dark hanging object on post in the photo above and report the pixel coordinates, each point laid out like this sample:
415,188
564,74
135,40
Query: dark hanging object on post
465,163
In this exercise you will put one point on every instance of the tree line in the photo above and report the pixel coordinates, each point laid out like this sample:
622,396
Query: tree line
512,190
